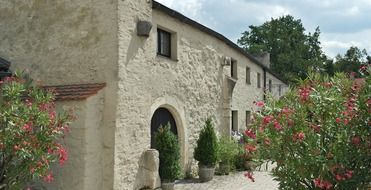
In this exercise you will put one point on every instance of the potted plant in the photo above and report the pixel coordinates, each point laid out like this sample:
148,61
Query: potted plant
169,153
228,150
206,152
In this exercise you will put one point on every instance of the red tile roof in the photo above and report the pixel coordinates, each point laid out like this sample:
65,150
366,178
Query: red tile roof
75,91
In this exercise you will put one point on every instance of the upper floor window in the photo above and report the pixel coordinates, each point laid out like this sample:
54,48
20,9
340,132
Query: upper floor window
270,85
248,116
258,80
163,43
234,69
248,81
279,90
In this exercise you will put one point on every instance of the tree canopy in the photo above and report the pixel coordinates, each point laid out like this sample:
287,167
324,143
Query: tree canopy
351,61
293,52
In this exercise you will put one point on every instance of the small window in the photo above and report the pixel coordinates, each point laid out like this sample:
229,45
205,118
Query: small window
164,43
270,85
248,75
258,80
279,90
248,116
234,69
234,120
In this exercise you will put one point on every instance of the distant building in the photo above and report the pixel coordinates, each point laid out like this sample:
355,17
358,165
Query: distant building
126,67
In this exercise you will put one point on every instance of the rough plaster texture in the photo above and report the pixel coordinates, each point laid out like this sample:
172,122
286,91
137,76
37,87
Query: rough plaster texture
70,42
192,85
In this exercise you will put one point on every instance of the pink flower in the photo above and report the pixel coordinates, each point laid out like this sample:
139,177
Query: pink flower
300,136
267,119
277,125
27,127
304,93
322,184
250,133
63,155
338,120
290,122
249,176
49,178
348,174
260,104
339,177
250,148
356,140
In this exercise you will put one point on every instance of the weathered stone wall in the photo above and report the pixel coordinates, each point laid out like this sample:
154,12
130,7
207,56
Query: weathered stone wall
190,85
70,42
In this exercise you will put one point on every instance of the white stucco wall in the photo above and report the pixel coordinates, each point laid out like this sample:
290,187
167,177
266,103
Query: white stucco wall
190,85
70,42
275,86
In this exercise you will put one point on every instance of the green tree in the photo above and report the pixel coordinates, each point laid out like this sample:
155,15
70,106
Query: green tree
293,52
352,60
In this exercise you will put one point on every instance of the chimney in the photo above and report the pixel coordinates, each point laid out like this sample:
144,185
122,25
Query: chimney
264,58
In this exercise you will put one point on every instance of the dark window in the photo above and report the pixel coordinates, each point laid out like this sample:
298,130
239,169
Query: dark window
234,69
161,117
248,115
164,43
248,75
270,85
234,121
258,80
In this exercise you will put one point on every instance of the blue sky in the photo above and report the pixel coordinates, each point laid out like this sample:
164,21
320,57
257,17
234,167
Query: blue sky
343,23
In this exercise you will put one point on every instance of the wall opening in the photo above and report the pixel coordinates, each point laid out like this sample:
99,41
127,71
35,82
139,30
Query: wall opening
162,117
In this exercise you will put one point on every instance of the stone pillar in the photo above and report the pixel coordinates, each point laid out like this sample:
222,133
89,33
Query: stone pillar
148,176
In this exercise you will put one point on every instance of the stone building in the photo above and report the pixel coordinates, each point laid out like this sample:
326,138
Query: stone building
127,66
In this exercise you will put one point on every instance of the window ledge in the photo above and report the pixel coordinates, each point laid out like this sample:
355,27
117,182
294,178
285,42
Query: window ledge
166,57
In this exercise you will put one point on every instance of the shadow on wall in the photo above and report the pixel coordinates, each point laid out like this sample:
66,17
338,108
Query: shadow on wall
136,42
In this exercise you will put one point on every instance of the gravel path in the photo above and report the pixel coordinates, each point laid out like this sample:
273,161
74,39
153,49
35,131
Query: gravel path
235,181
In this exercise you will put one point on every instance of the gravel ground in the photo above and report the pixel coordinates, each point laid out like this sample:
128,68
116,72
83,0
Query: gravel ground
235,181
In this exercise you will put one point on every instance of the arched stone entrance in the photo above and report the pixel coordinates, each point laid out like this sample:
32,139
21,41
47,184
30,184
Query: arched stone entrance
162,117
176,109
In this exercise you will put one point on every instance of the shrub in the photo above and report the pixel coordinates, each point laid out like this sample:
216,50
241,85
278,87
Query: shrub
319,134
30,133
167,145
206,151
228,149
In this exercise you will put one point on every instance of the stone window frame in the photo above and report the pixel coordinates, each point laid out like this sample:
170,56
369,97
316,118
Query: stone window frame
162,37
248,116
173,43
248,75
234,69
234,120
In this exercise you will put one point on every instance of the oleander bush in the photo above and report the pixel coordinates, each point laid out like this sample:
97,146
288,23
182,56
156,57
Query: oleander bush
318,134
31,133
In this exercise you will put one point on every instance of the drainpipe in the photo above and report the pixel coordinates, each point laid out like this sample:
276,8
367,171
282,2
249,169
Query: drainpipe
264,83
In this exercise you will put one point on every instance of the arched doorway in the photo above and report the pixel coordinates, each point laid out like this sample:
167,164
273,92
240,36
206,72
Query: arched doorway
162,117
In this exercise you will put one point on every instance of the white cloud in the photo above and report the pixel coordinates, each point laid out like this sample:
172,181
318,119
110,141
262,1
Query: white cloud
334,43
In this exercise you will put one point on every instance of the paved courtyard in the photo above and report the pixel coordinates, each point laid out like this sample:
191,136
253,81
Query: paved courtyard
234,181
